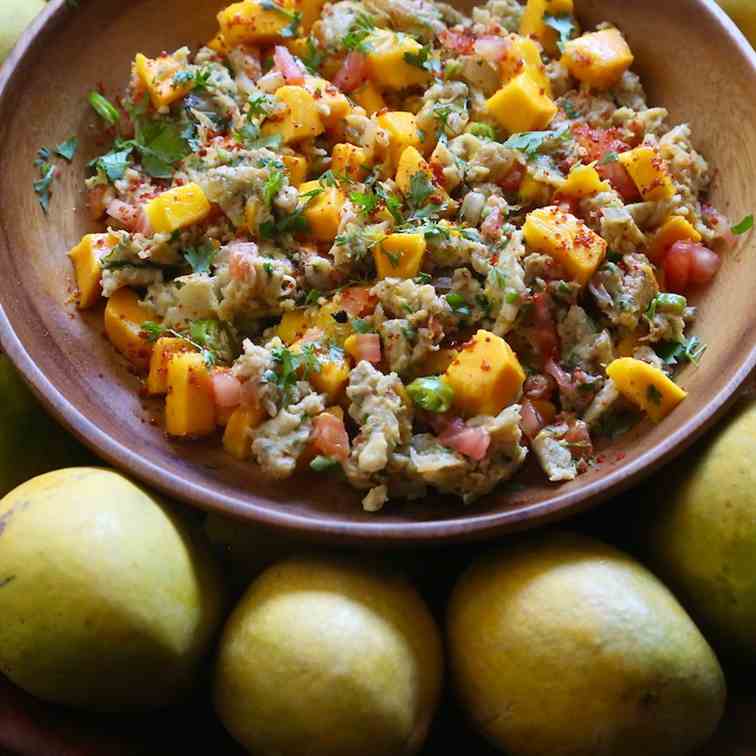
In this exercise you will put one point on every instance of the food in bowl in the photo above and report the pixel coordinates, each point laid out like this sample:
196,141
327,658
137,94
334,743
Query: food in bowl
391,241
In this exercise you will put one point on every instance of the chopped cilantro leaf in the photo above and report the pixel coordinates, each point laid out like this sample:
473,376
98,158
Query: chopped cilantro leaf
424,59
569,109
114,163
295,17
530,142
42,185
690,350
67,149
201,257
272,187
358,33
361,326
313,57
609,157
366,202
151,331
745,225
289,366
423,278
562,24
421,189
482,130
313,295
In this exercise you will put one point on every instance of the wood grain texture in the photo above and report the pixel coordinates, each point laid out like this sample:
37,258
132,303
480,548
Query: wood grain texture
692,60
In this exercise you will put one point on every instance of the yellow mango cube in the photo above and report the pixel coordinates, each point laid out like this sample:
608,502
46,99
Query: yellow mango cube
646,386
300,119
323,212
293,325
521,105
249,23
577,248
674,229
410,163
532,23
177,208
401,127
165,348
583,181
534,192
598,59
296,167
332,329
387,64
438,362
326,93
649,172
369,97
123,326
350,160
159,78
85,257
190,403
237,438
218,44
524,56
332,379
486,376
399,255
310,10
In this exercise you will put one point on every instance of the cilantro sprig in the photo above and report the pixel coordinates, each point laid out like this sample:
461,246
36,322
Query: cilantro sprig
531,142
201,257
289,367
356,38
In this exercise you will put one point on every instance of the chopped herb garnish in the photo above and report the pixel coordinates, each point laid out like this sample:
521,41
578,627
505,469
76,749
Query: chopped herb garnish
67,149
562,24
458,304
260,105
290,366
530,142
104,108
424,59
268,268
151,331
366,202
393,257
613,256
272,186
324,464
423,278
313,295
313,57
673,353
420,190
42,185
609,157
482,130
745,225
295,17
356,37
114,163
392,202
200,257
569,109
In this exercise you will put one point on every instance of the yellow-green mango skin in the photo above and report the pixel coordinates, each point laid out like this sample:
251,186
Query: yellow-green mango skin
328,658
108,599
31,443
563,646
701,533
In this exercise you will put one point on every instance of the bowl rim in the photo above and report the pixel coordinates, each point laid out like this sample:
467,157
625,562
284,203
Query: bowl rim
452,529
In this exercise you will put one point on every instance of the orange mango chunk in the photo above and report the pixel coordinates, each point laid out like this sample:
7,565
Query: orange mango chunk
177,208
123,326
598,59
649,172
190,404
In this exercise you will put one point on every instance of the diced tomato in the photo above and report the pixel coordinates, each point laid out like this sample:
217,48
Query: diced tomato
460,41
676,266
620,180
131,217
352,73
511,182
472,442
491,47
227,389
367,346
704,263
599,143
329,436
531,421
545,333
358,301
288,66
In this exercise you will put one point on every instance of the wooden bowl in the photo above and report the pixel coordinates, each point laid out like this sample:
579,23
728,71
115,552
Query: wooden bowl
692,60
